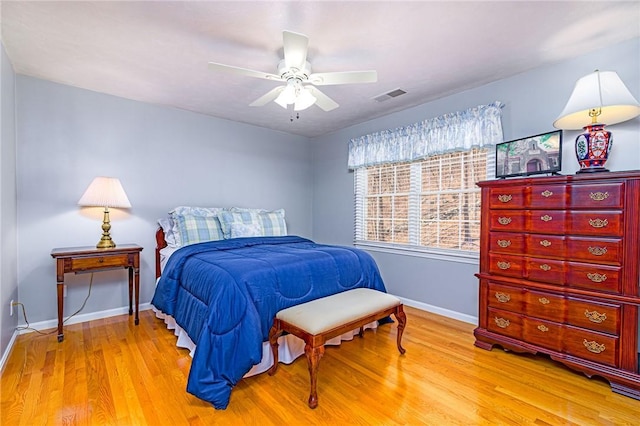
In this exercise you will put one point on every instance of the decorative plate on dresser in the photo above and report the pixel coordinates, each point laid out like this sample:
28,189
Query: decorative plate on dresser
559,272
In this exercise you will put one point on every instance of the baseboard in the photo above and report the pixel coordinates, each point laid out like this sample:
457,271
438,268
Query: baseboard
43,325
7,351
440,311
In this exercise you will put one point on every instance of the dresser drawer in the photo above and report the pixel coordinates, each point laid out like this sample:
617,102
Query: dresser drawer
591,345
506,265
506,198
597,277
543,333
545,305
546,222
507,221
545,245
548,196
83,264
504,242
594,315
506,297
545,270
600,250
602,196
595,223
505,323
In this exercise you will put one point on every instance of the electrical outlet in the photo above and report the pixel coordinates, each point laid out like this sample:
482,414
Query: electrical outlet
64,290
11,308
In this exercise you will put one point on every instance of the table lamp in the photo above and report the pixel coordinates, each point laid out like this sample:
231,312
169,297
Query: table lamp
105,192
598,98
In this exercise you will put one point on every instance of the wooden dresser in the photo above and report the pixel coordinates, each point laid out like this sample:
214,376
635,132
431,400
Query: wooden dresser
559,272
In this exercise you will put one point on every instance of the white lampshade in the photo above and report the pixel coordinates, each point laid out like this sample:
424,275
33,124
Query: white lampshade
599,90
304,100
105,192
287,96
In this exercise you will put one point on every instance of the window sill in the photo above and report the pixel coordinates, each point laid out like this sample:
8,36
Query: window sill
446,255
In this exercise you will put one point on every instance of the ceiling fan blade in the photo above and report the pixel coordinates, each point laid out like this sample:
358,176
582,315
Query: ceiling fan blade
242,71
295,49
322,100
267,97
346,77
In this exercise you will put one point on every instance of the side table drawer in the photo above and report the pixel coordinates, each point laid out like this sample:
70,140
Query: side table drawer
86,263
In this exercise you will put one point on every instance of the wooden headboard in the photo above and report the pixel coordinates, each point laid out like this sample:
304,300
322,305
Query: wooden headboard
160,244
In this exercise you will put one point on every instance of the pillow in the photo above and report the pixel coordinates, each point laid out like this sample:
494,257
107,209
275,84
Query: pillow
246,217
190,211
273,223
239,230
196,229
167,227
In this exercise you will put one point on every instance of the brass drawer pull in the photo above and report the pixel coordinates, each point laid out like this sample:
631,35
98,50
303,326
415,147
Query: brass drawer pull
504,220
595,316
597,251
546,218
594,346
502,297
501,322
504,265
598,223
545,243
543,328
544,301
504,243
545,267
504,198
596,277
599,196
101,260
546,193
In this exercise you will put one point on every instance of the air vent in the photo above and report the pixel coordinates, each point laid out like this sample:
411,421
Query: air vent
392,94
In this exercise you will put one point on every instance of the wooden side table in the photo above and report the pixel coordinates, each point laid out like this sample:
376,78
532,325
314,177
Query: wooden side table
83,259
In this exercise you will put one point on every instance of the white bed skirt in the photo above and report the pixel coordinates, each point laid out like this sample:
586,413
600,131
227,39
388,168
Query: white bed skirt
290,347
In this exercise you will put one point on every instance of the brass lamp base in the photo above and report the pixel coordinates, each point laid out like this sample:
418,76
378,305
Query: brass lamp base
106,241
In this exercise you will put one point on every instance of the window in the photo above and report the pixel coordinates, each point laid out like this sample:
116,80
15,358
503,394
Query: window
426,204
415,186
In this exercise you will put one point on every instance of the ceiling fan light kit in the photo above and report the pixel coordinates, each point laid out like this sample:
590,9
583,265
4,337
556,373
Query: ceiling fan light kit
295,71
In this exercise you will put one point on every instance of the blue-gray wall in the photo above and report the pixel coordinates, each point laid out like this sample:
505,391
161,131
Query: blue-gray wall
8,206
164,157
532,101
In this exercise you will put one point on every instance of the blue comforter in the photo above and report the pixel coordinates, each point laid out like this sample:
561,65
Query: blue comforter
225,295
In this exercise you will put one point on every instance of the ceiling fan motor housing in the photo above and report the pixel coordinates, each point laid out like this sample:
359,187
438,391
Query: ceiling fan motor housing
291,72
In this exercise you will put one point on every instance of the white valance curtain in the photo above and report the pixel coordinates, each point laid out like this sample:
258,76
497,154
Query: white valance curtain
457,131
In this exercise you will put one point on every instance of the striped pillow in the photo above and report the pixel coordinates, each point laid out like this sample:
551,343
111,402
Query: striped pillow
196,229
228,218
273,223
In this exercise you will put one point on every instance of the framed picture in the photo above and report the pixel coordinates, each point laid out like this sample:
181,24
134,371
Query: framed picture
531,155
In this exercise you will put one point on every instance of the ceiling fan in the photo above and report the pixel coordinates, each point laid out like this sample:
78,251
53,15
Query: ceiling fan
295,71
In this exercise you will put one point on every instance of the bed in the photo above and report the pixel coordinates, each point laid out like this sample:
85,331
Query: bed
224,293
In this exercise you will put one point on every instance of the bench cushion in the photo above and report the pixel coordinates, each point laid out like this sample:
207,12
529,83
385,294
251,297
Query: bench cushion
321,315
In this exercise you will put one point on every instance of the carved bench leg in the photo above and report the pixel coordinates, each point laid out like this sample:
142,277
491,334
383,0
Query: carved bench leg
402,322
313,358
274,333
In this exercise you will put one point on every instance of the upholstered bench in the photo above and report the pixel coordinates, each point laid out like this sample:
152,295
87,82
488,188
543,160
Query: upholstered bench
322,319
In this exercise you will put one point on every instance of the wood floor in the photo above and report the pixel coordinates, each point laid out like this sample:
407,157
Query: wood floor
112,372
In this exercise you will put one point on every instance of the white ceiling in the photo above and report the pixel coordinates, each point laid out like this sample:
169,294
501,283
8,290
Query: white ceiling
157,51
